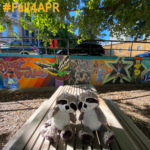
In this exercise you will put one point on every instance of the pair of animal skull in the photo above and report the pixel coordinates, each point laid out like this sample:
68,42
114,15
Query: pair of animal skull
84,102
66,104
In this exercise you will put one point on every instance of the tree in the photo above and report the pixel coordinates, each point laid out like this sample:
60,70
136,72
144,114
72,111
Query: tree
62,33
119,16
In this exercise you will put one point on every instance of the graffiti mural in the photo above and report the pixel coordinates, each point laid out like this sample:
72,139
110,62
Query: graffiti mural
25,72
99,72
80,71
21,72
136,71
145,74
58,69
120,71
111,71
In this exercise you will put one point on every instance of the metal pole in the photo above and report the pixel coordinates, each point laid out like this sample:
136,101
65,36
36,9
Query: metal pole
111,48
90,48
46,49
131,49
68,46
22,46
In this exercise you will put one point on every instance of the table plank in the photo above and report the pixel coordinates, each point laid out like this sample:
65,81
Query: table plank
103,146
71,143
121,136
86,145
36,140
62,143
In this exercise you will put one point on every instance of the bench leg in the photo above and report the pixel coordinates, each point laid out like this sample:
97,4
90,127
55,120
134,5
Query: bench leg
86,134
106,134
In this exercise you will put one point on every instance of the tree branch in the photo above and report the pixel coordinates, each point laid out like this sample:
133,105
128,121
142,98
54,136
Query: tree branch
102,8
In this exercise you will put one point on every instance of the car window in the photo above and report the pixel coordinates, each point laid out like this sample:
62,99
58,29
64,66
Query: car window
16,44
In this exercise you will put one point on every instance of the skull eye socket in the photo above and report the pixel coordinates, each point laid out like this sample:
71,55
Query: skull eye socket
62,102
73,106
79,105
91,100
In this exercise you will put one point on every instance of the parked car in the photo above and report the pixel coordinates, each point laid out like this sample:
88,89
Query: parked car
84,50
29,48
147,54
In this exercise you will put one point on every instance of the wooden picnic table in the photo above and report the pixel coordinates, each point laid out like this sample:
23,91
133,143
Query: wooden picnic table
127,135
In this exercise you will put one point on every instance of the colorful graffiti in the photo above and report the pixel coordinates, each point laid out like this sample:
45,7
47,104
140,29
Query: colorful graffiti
136,71
145,75
111,71
24,72
56,69
80,71
17,72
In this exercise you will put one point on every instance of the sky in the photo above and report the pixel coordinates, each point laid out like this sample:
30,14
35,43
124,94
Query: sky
77,31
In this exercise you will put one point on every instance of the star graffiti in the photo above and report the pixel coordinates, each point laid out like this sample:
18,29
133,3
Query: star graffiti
124,71
144,68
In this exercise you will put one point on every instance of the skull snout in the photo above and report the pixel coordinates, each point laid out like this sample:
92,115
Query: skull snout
85,105
67,107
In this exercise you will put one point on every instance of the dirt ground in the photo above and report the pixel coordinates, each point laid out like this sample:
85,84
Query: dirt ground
15,109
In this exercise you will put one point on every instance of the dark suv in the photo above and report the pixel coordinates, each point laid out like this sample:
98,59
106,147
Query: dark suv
83,49
29,48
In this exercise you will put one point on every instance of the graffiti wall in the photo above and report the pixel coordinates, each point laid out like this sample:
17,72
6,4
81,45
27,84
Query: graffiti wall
145,74
80,71
136,71
25,72
111,71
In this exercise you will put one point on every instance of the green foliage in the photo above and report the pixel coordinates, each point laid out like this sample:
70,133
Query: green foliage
62,33
96,15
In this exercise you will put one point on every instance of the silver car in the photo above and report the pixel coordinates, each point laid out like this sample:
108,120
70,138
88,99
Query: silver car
12,48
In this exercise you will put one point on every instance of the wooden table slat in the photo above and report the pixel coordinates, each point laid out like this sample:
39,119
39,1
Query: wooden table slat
62,143
120,134
45,145
71,143
122,137
96,143
103,146
78,142
86,145
36,139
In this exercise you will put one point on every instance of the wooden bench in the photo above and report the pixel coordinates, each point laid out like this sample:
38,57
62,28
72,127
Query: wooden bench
28,137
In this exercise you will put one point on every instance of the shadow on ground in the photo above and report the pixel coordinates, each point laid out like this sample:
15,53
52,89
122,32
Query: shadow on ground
8,97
